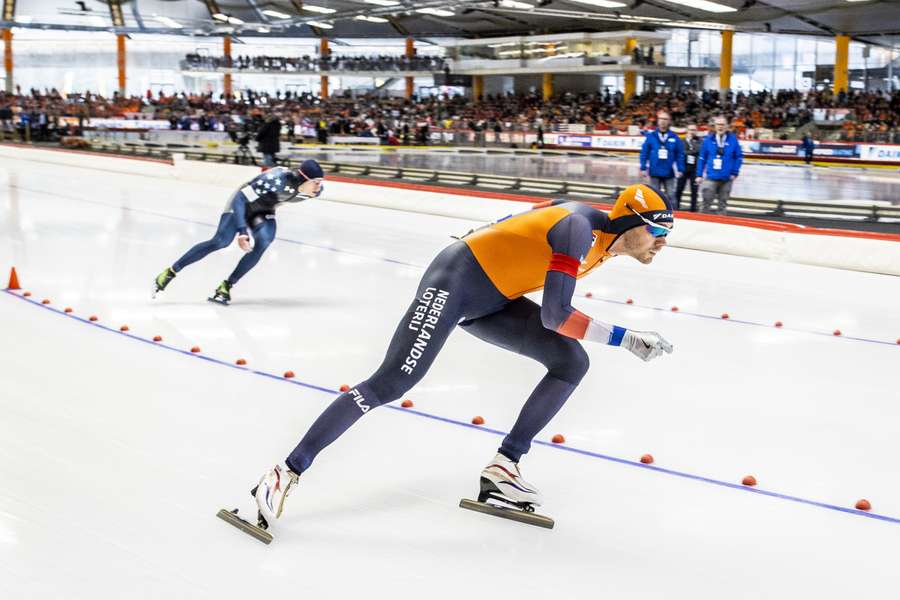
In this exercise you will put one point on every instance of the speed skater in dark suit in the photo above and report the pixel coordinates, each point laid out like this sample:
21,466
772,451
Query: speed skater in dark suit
250,215
479,283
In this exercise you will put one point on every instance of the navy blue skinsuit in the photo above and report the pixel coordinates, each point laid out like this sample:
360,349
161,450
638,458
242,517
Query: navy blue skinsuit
252,207
455,290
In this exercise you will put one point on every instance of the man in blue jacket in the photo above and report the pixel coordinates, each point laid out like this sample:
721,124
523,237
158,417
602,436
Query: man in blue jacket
720,160
663,152
808,146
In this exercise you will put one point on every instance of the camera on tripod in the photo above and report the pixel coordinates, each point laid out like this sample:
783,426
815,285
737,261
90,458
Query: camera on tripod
241,137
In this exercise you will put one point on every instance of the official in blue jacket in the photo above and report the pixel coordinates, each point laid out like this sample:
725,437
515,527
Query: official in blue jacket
719,165
663,153
808,146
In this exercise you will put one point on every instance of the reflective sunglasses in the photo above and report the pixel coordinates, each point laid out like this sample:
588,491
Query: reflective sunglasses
655,229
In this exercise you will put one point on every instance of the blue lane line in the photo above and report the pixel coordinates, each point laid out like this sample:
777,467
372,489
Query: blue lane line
422,267
419,413
741,322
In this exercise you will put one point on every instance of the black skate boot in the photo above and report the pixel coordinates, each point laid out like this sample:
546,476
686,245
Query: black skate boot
223,294
162,280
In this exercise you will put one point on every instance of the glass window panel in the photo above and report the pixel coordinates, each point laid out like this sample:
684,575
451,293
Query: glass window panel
761,79
878,57
805,76
784,79
825,52
677,48
763,50
855,58
785,48
740,52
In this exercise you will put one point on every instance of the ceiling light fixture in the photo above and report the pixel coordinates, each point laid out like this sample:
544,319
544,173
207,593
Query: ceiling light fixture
602,3
713,7
516,4
318,9
437,12
171,23
275,14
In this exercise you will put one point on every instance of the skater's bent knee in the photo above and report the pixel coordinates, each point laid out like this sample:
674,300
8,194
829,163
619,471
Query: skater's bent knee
571,366
386,391
220,242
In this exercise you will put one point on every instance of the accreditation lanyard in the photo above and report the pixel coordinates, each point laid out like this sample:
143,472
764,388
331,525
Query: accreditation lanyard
663,151
720,147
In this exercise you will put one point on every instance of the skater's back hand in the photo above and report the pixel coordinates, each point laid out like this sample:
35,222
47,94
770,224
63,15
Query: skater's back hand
646,345
245,243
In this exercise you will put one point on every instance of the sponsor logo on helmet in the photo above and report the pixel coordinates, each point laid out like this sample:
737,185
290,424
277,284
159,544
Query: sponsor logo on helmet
639,196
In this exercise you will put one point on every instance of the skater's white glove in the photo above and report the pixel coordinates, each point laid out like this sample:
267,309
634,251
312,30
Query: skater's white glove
646,345
245,242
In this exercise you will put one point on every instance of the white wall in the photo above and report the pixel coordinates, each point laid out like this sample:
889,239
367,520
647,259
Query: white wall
858,254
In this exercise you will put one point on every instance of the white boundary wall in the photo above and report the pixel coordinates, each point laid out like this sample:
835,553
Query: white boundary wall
858,254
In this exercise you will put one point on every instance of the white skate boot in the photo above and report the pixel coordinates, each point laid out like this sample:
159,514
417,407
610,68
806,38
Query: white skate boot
272,490
269,494
501,481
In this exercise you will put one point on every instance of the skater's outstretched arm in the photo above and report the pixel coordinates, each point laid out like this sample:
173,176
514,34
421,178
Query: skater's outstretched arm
570,240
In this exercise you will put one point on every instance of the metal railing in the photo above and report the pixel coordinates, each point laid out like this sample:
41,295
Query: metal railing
750,207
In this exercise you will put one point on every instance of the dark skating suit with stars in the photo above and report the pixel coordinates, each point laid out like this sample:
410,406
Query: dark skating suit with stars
252,208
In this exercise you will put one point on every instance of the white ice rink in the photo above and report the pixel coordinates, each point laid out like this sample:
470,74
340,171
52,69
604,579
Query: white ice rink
116,452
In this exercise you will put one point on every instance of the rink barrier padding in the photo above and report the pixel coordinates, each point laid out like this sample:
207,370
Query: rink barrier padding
852,250
411,411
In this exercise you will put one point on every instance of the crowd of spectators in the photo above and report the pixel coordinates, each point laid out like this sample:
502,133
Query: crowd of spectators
318,63
873,116
861,115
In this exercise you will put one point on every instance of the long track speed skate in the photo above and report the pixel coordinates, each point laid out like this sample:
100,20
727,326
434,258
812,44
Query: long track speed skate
269,495
257,531
162,280
501,482
222,294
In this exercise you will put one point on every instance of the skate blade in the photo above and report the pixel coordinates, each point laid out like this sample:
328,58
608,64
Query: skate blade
252,530
512,514
215,301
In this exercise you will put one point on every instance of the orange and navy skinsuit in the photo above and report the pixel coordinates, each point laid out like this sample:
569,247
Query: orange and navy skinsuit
479,284
547,248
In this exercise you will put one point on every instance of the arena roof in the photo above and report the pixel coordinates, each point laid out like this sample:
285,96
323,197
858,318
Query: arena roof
873,20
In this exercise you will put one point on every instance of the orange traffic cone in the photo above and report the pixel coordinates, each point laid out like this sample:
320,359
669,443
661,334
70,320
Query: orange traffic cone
13,280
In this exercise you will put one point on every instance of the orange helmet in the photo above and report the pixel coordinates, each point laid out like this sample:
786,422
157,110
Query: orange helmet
640,200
